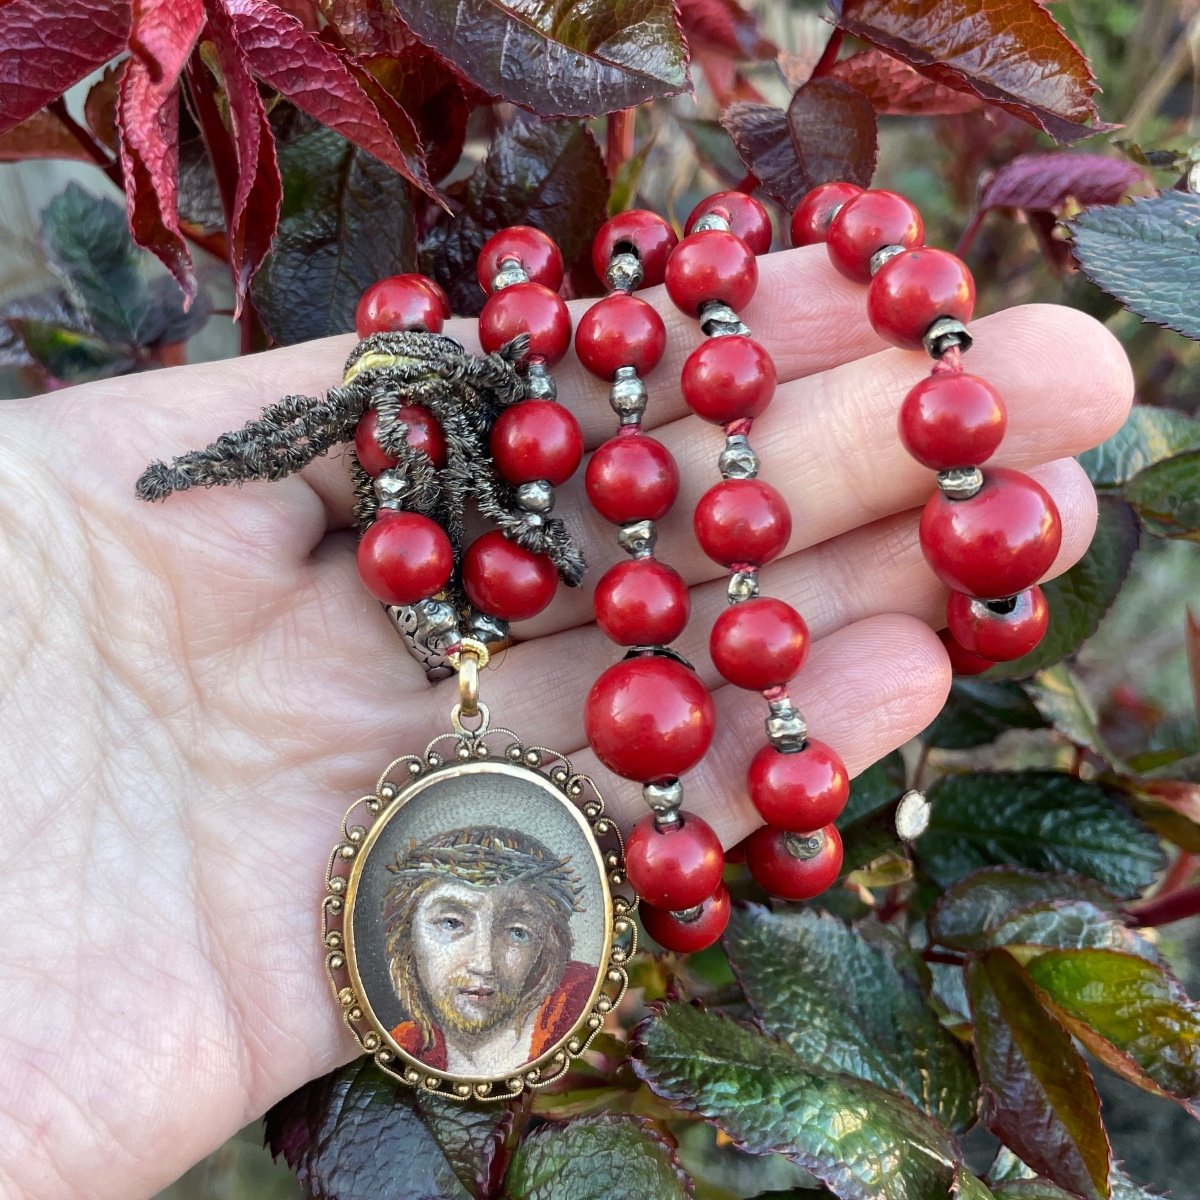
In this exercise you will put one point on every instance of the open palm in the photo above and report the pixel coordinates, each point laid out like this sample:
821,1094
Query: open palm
192,693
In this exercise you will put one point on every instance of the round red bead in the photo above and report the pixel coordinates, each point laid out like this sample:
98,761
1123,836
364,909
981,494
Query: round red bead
952,421
747,218
632,478
810,221
962,661
1002,630
620,331
536,439
424,434
711,265
649,718
643,233
686,937
642,603
867,223
539,257
742,521
506,580
782,874
675,867
526,308
759,644
728,379
913,290
404,557
800,791
998,542
400,303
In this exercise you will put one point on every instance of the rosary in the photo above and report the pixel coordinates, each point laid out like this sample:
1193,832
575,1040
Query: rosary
478,909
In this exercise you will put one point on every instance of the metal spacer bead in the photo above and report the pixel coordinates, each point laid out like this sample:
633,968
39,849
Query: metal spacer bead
884,256
743,585
711,221
539,383
624,272
960,483
912,815
638,538
489,630
537,496
944,333
717,319
390,489
1003,607
738,460
687,915
804,845
665,800
627,396
511,271
786,728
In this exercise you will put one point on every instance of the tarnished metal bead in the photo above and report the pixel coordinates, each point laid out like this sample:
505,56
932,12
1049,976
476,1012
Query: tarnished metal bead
665,799
688,915
510,272
719,320
960,483
536,496
738,460
804,845
627,396
786,728
638,538
912,815
711,221
489,630
390,489
624,272
743,585
944,333
539,383
882,257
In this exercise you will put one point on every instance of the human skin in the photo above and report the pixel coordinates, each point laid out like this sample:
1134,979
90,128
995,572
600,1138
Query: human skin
193,692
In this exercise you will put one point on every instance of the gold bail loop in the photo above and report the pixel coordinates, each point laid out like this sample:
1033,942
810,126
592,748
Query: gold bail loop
470,658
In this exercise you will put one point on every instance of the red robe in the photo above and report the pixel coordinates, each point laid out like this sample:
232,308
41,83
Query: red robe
557,1014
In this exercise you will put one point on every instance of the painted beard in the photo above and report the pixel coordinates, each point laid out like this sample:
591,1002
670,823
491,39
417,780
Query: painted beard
466,1006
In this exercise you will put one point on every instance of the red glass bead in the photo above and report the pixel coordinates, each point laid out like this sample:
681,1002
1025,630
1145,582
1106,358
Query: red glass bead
800,791
686,937
404,557
400,303
675,867
644,233
759,644
506,580
963,662
747,218
912,290
997,543
1002,630
782,874
642,603
952,421
867,223
537,439
728,379
632,478
711,265
742,521
620,331
526,308
810,221
649,718
539,257
424,434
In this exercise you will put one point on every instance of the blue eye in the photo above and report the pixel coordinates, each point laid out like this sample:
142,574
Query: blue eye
451,924
519,933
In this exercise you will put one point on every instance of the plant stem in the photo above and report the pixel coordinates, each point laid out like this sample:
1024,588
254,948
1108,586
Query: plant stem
102,158
1163,910
949,957
618,148
828,55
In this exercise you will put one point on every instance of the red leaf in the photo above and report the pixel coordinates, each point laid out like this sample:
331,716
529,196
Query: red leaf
48,45
160,41
305,11
100,107
41,136
763,140
317,80
724,25
367,26
1011,53
726,82
896,89
1046,181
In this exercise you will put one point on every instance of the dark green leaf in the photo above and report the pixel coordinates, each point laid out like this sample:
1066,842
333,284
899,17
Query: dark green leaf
967,913
862,1142
1080,597
875,787
1038,1096
1067,708
1070,925
1146,254
978,711
549,174
1148,436
69,354
1131,1013
970,1187
357,1134
841,1003
1031,1189
1039,819
1166,496
596,1158
177,323
346,221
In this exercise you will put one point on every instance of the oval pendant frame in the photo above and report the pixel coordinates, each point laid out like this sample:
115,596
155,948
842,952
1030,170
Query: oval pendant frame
449,756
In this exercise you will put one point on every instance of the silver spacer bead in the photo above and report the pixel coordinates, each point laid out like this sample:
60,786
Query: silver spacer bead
804,845
944,333
665,799
738,460
638,538
428,627
687,915
390,489
711,221
627,396
912,815
534,520
536,496
786,728
717,319
510,272
624,272
960,483
539,383
743,585
884,256
489,630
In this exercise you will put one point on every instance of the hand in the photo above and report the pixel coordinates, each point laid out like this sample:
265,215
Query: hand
193,692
